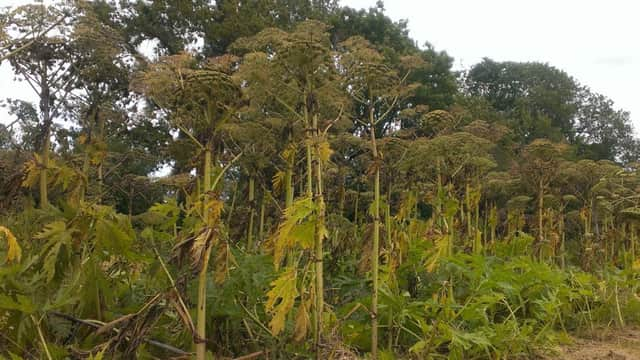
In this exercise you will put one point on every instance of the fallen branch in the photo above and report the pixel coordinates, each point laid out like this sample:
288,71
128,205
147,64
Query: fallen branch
250,356
152,342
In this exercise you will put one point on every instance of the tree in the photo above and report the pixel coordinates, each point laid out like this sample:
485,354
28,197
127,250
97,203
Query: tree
200,97
435,83
102,80
602,132
537,99
45,65
233,19
537,171
174,25
376,90
304,84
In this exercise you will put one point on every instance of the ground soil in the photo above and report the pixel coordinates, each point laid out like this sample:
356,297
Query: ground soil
603,344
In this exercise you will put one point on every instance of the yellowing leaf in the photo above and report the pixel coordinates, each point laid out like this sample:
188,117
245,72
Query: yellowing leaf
441,250
277,181
324,151
214,209
289,152
200,247
303,234
302,321
99,355
32,171
292,230
56,231
14,252
323,231
280,299
224,262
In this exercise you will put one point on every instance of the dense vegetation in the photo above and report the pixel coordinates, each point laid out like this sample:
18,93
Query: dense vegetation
336,190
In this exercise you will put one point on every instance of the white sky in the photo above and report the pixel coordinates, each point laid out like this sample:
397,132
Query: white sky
594,41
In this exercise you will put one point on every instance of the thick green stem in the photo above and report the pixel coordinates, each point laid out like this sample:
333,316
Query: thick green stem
341,192
288,198
45,108
288,183
201,324
540,214
85,173
263,206
44,194
309,149
440,192
633,243
387,221
201,345
356,207
478,233
562,241
375,249
467,200
494,222
319,235
252,212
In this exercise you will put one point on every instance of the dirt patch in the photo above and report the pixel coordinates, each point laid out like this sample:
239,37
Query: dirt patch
605,344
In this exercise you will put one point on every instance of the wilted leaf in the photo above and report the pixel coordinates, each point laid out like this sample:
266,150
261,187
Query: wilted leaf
277,181
441,250
224,262
14,252
303,321
32,171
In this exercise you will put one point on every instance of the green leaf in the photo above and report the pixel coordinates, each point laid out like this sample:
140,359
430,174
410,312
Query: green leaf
110,236
21,303
49,264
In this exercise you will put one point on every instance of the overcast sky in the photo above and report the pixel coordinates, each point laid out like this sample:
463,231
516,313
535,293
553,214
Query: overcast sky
594,41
